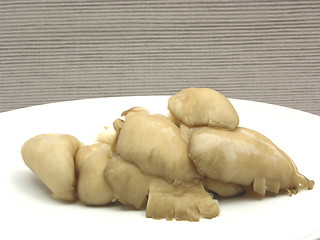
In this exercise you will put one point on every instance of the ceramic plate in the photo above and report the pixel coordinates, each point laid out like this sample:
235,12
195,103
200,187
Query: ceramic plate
27,209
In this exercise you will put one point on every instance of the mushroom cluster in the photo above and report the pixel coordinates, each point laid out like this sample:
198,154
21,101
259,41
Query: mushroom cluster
171,164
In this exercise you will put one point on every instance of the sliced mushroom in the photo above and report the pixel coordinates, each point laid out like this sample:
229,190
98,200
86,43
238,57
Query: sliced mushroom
130,185
180,202
92,187
203,107
51,157
154,144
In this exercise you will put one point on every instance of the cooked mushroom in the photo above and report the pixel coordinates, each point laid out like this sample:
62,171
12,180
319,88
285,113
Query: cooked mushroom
130,185
51,157
87,151
167,163
92,187
245,157
181,202
185,132
203,107
106,136
154,144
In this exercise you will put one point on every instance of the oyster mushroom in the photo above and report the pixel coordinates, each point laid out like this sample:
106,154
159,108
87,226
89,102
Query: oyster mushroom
203,107
245,157
129,184
182,202
106,136
86,152
185,132
154,144
92,187
51,157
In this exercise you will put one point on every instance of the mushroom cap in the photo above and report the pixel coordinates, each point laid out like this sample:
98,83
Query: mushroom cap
86,152
154,144
203,107
92,187
51,157
129,184
239,156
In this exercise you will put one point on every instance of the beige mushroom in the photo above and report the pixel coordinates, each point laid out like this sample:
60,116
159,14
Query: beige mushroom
185,132
92,187
154,144
87,151
180,202
106,136
203,107
130,185
167,163
51,157
173,119
244,156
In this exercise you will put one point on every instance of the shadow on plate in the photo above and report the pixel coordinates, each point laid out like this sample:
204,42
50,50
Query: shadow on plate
31,186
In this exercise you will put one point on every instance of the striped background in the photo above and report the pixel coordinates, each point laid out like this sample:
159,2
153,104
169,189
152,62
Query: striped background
63,50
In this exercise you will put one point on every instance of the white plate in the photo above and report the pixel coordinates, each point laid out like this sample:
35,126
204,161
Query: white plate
27,209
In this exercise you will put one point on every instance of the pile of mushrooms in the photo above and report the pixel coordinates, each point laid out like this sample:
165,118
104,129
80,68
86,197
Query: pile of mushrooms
169,165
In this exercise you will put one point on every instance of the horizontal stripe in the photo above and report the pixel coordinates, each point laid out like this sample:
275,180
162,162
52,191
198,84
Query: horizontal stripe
267,51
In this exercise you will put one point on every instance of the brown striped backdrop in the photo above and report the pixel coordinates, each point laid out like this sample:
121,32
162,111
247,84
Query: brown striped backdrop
58,50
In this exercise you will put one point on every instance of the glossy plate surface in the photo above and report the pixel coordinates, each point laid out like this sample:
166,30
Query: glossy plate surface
27,209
